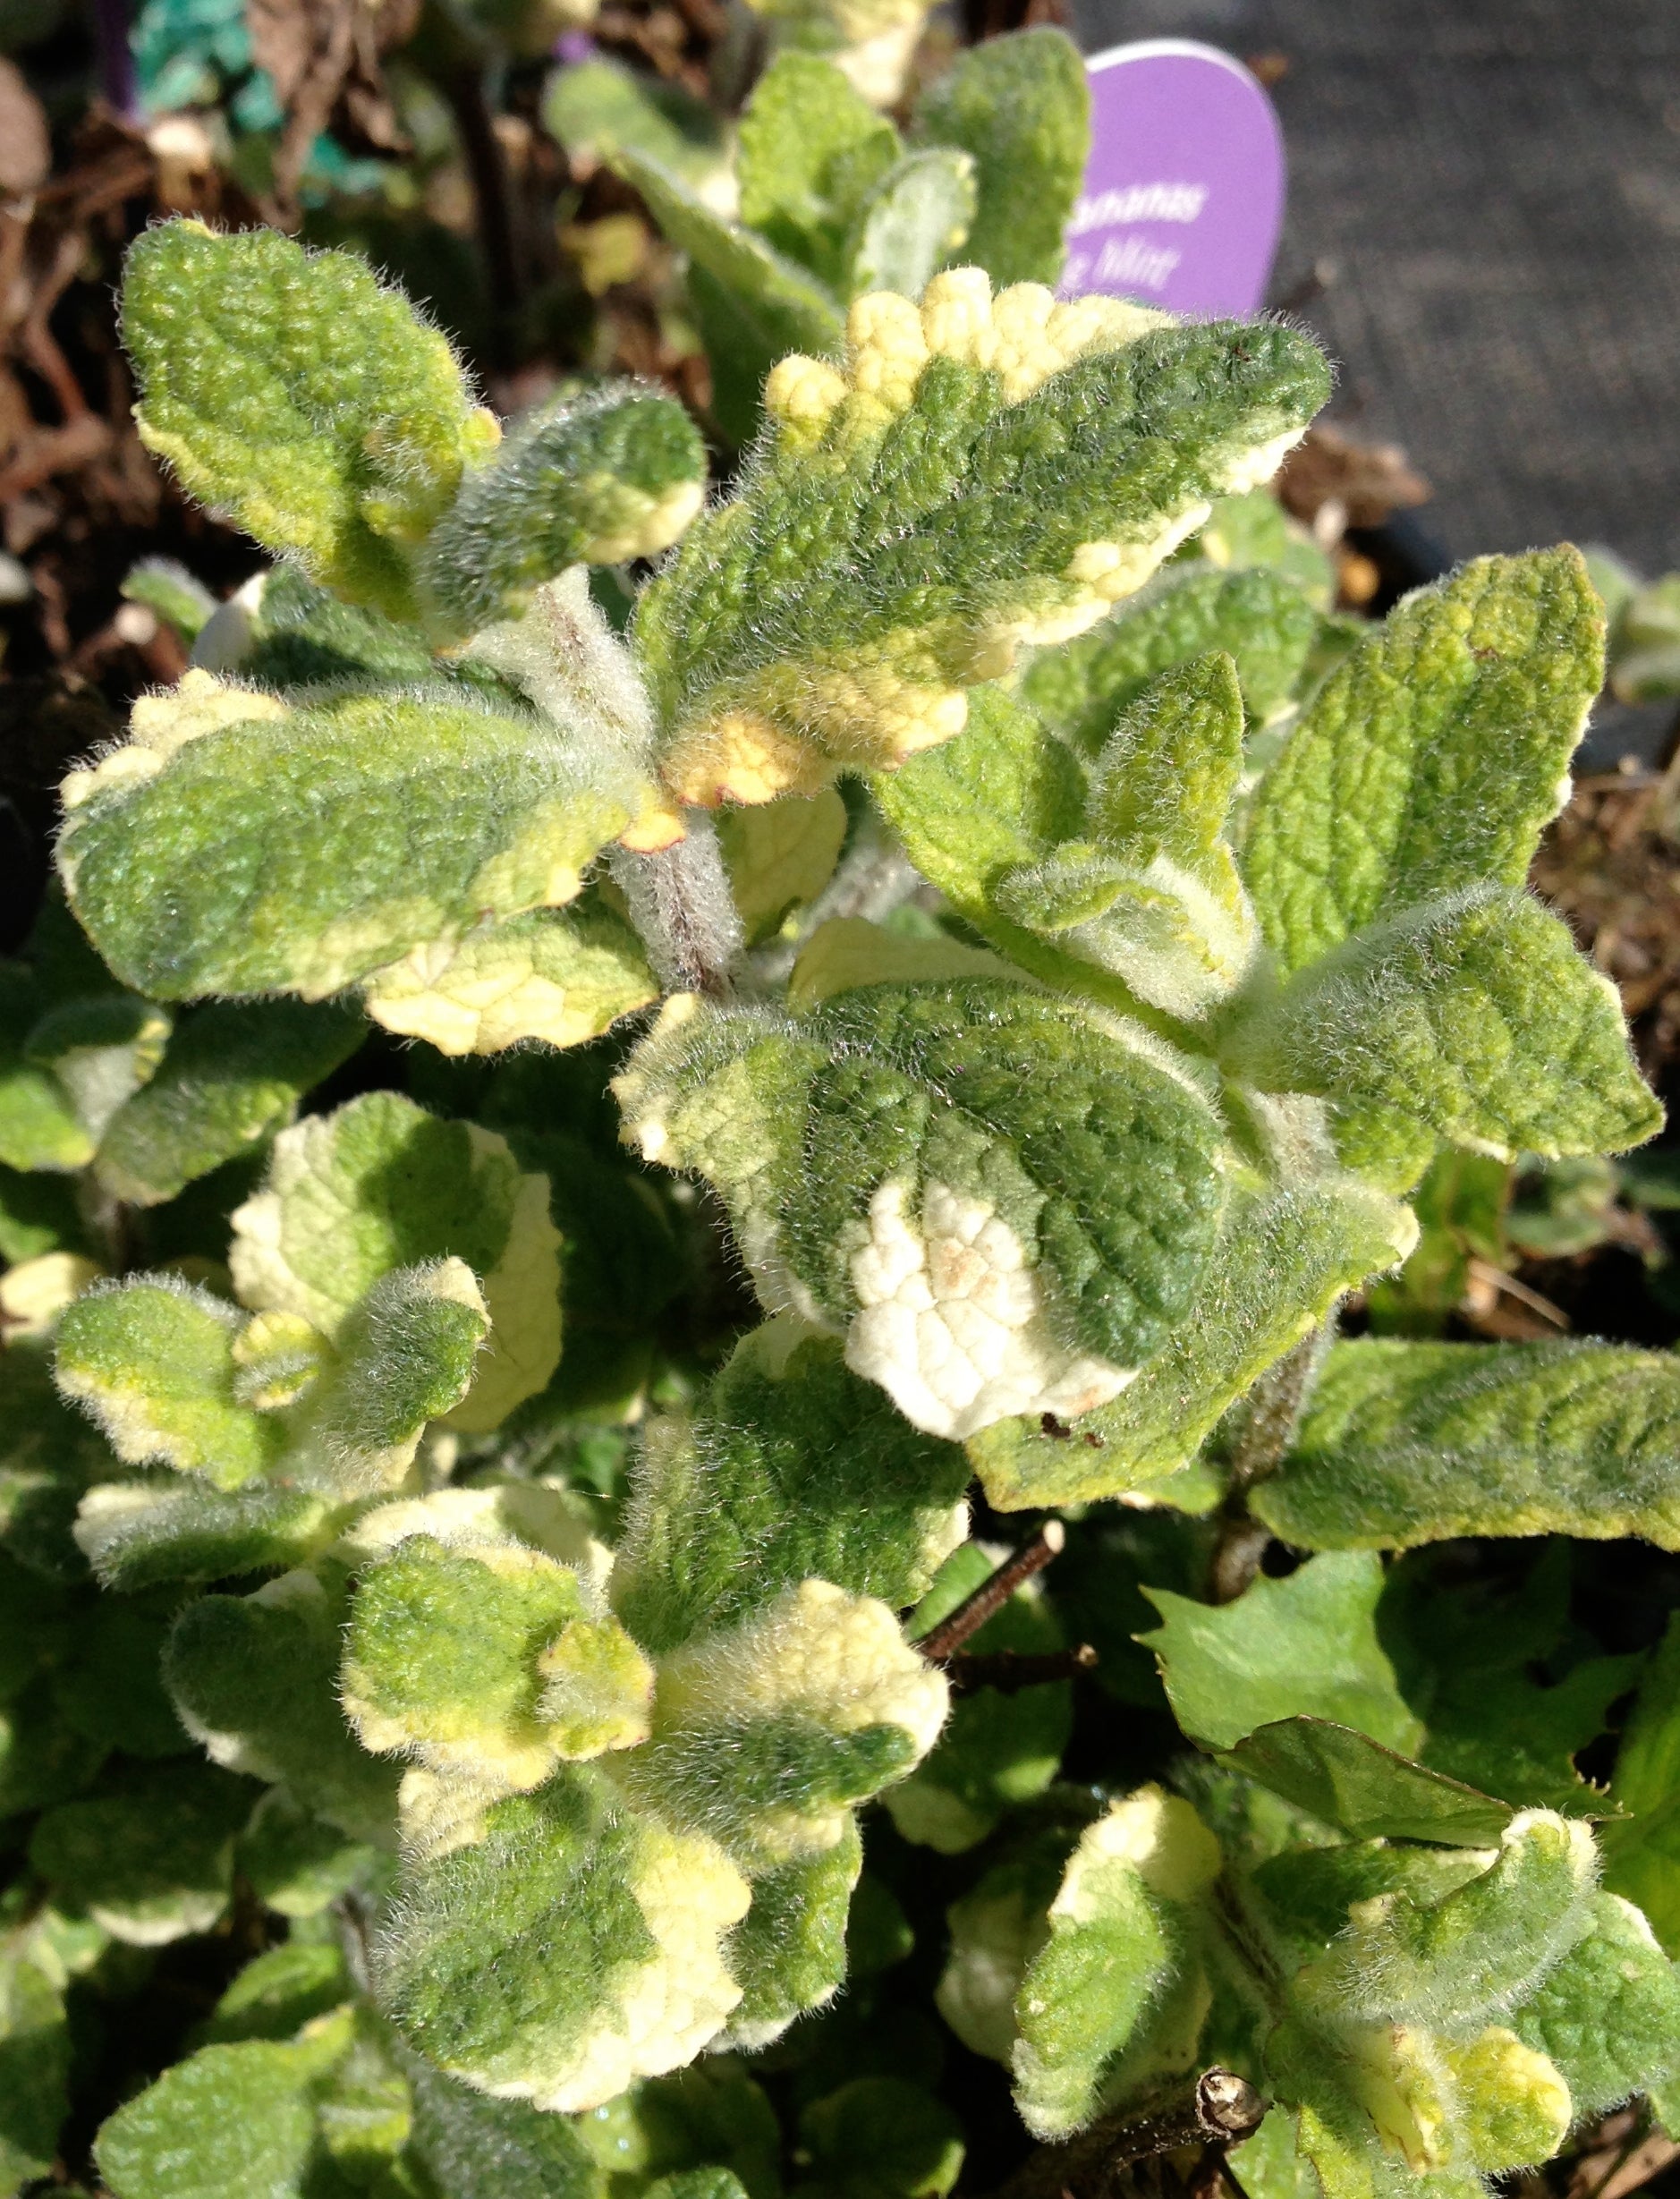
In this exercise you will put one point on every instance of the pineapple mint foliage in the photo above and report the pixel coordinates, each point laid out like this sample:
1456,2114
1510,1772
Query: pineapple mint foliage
959,988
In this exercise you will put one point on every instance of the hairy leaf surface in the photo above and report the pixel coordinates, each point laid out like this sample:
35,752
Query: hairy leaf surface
792,1468
1020,107
280,850
313,405
984,472
1258,620
1433,755
1282,1257
922,1163
1472,1018
1406,1443
596,479
230,1075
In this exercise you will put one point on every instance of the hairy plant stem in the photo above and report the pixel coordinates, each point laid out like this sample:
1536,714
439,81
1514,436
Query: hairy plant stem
1221,2109
1265,1428
680,903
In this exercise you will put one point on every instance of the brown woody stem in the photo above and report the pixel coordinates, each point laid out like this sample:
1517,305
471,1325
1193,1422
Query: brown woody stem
973,1613
1008,1671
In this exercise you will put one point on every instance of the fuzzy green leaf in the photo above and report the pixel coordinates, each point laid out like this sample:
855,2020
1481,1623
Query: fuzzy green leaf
1406,1443
229,2119
1163,779
766,1734
812,150
1310,1893
917,219
1021,107
789,1952
1609,2014
407,1354
230,1076
1005,1202
450,1659
562,976
983,473
239,846
514,1961
596,479
380,1185
139,1534
312,405
151,1360
1306,1645
1464,1958
1472,1018
297,1864
282,633
1149,890
477,2148
1283,1259
1121,1934
38,1127
282,1989
34,2072
71,1053
255,1679
996,1929
974,810
151,1858
792,1468
1432,756
99,1050
1259,621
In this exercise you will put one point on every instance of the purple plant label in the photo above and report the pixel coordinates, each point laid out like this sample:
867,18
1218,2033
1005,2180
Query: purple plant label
1183,193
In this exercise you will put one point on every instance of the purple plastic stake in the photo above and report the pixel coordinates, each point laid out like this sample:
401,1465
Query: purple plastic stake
1183,193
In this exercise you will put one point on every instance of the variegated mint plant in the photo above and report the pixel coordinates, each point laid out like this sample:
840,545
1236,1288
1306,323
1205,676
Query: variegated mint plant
544,1158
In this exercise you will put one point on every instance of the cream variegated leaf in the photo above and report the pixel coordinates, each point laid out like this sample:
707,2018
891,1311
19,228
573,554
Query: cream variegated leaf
886,553
917,1166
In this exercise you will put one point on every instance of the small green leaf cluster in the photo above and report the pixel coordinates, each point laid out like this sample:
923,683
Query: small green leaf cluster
832,204
1434,1982
485,1579
329,421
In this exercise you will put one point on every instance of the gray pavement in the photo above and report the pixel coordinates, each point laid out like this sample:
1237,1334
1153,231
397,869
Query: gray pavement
1496,183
